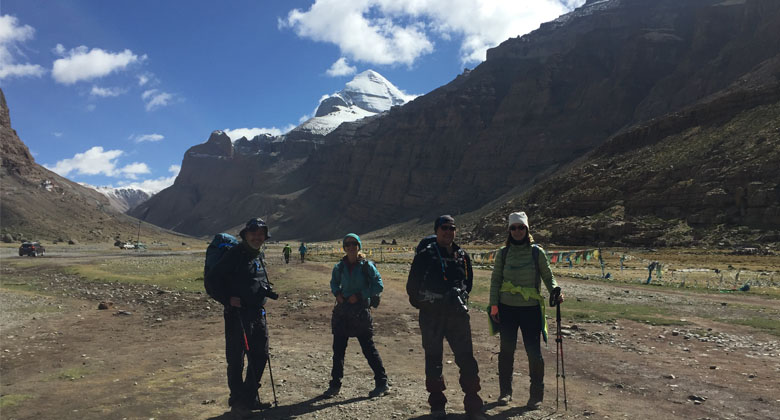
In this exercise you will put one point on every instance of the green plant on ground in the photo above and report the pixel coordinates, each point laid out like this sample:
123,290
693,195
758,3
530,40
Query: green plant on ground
72,374
771,326
10,400
179,273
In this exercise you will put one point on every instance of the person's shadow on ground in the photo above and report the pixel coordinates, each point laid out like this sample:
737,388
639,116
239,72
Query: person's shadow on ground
293,410
509,413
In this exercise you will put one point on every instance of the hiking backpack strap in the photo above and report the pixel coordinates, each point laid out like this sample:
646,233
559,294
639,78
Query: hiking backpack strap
534,256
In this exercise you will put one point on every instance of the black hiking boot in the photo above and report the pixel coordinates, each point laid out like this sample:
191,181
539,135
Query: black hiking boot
332,391
256,404
537,395
504,399
381,389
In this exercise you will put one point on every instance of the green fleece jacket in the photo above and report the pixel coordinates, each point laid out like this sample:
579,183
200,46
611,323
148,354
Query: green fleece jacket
520,271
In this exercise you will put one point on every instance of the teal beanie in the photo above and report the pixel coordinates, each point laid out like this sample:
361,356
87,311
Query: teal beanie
357,238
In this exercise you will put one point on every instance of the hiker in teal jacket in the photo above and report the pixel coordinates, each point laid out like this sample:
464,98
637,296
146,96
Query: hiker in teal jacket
516,302
356,284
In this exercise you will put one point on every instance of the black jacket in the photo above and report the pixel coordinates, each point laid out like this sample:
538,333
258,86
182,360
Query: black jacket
240,273
426,274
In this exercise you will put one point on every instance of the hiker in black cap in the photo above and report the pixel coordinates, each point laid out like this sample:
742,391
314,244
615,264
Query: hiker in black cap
439,283
244,285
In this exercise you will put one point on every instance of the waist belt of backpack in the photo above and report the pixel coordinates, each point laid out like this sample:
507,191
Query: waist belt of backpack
427,296
528,293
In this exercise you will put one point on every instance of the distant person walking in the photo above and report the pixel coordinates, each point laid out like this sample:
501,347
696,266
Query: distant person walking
302,250
243,289
516,302
439,282
287,251
356,284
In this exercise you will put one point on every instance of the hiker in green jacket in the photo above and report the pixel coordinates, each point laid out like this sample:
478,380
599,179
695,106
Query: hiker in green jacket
287,251
516,302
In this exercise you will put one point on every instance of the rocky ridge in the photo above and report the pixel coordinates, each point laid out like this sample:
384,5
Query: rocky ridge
537,107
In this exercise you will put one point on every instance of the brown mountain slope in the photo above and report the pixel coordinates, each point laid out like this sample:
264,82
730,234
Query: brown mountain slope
707,175
37,204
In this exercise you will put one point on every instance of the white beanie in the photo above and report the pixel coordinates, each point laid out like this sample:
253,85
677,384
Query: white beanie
518,217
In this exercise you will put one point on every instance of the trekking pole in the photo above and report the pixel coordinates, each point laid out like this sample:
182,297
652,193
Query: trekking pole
265,321
246,348
559,345
270,371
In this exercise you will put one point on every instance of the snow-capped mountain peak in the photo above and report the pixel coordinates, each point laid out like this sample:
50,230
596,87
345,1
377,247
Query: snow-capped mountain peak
124,198
369,93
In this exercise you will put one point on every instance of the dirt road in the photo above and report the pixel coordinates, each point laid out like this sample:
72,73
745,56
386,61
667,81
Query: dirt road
160,354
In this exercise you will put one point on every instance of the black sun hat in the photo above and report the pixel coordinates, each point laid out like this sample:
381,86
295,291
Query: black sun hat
254,224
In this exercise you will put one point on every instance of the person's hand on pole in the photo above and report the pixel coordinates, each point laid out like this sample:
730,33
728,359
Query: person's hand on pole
494,313
556,297
353,298
339,298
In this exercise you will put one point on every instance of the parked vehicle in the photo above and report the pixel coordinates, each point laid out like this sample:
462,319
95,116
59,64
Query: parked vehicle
33,249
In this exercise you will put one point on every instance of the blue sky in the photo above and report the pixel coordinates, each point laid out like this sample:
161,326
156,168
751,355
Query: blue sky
114,92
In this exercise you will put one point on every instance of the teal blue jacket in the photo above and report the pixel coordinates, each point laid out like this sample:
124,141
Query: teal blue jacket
348,282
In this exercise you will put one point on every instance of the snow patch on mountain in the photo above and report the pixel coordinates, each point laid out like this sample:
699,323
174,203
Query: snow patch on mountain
369,93
123,199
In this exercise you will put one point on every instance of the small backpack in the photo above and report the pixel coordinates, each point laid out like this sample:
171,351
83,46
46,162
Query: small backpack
218,247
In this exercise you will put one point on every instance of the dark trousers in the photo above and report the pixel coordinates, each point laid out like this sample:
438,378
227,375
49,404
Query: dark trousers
369,350
286,258
529,320
245,389
436,324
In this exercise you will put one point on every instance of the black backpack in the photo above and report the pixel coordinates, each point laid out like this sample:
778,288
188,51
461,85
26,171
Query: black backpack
217,249
424,243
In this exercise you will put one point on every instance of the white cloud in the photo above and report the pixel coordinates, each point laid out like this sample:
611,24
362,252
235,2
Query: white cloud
91,107
155,99
143,79
147,137
81,63
155,185
341,68
94,161
106,92
250,133
56,134
97,161
401,31
134,169
11,35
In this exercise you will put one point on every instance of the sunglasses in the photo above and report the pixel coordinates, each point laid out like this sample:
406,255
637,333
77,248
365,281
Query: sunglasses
350,244
448,228
513,228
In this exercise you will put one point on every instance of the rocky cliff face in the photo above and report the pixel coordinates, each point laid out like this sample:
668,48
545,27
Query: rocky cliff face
538,106
704,175
538,103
